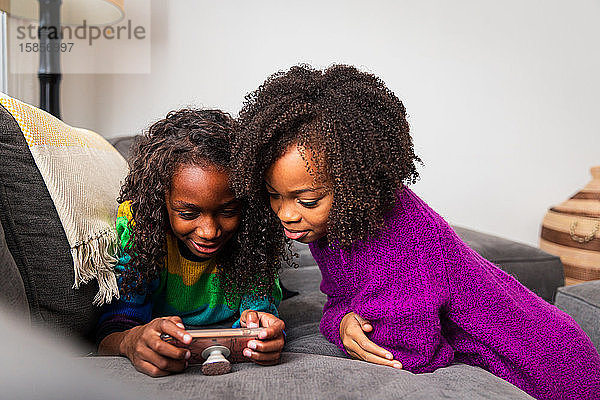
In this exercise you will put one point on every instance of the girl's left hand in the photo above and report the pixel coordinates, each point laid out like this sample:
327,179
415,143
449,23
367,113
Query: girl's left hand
267,350
358,345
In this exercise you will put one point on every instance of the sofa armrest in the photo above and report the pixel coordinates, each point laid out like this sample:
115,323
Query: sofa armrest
12,289
582,302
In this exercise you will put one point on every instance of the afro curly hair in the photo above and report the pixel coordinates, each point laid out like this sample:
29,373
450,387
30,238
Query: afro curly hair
189,137
355,126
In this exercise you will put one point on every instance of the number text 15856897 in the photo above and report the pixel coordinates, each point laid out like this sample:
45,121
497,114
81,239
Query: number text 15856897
46,47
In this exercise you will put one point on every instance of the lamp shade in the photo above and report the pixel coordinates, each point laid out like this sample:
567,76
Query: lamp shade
73,12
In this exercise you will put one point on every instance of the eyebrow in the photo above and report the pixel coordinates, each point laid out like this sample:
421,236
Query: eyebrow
185,204
296,192
299,191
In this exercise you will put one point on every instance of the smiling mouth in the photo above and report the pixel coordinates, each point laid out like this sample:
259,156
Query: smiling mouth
294,235
205,249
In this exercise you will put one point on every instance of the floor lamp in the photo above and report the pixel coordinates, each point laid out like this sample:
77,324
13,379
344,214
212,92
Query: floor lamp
3,53
51,15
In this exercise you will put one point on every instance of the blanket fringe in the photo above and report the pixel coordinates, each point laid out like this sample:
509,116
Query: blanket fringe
95,259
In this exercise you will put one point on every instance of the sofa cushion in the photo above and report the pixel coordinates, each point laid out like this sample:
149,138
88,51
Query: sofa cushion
302,313
310,376
308,340
123,144
37,240
582,302
12,290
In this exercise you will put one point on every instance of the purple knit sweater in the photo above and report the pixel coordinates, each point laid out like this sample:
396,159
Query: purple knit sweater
433,301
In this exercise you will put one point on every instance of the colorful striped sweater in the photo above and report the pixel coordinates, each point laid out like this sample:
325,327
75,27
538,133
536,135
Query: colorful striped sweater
186,287
433,301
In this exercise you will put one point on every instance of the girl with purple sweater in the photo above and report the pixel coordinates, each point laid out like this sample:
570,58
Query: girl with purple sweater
331,152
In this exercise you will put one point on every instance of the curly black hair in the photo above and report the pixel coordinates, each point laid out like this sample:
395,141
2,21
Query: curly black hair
355,126
190,137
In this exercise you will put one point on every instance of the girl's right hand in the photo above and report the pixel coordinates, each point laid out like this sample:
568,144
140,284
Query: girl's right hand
152,355
358,345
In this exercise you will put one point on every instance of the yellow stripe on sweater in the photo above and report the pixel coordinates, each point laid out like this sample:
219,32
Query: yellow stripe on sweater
125,211
189,271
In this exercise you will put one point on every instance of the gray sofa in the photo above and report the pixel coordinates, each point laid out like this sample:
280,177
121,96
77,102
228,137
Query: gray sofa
36,286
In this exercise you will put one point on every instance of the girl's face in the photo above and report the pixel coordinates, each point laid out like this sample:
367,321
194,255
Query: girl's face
202,210
301,204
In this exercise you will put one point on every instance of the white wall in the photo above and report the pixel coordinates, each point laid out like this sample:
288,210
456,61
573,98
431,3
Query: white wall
502,96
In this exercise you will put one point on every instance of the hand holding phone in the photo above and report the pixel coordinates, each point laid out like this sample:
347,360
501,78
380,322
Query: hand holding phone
266,350
235,340
260,340
145,350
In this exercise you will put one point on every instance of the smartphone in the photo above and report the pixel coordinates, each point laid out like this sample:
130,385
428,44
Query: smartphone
235,339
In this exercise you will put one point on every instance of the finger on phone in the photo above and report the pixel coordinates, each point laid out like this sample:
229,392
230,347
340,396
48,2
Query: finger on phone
273,331
167,326
177,321
265,358
164,363
166,349
243,319
267,346
252,320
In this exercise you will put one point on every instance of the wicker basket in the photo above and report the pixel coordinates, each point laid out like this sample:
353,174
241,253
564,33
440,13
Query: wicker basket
571,231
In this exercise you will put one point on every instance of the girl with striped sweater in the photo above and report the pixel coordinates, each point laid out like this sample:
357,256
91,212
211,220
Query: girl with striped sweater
191,252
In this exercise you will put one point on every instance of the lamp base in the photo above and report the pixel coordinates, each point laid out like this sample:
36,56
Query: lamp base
50,93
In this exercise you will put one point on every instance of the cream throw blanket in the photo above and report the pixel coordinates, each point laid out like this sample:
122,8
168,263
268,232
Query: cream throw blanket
83,174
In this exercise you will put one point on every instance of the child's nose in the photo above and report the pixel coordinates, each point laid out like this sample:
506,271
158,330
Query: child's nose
208,229
287,213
